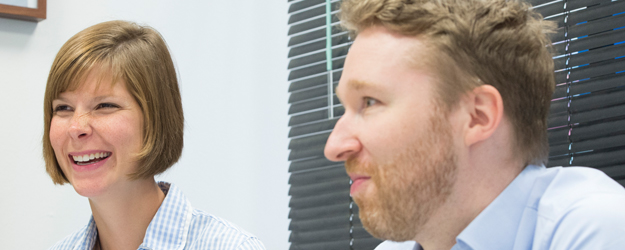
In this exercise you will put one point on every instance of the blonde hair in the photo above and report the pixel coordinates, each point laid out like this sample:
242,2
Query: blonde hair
138,55
474,42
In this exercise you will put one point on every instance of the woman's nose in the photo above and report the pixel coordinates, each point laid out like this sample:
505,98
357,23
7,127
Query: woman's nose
80,126
342,142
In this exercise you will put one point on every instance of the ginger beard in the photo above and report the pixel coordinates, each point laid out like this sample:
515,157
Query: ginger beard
409,188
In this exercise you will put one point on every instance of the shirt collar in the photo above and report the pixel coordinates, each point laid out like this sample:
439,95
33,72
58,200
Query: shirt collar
497,225
169,228
89,237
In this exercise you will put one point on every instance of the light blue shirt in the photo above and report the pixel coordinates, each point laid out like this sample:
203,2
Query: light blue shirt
176,225
547,208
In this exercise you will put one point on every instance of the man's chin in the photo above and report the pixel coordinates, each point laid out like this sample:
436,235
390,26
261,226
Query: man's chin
382,225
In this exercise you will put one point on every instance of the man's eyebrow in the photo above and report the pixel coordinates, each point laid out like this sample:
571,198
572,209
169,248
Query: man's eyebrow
355,85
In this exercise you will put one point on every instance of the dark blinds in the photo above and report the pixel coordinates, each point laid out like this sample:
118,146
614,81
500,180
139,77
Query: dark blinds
587,118
323,216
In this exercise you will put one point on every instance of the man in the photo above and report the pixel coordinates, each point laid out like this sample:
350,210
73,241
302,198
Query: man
444,132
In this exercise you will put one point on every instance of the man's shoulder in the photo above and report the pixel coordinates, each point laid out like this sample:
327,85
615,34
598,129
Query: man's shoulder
581,209
572,187
217,233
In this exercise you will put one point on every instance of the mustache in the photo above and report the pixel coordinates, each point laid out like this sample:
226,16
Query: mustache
355,165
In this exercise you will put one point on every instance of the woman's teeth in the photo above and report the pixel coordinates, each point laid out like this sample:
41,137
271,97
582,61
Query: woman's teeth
89,157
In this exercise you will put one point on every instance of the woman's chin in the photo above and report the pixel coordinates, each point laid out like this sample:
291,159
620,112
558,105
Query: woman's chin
88,189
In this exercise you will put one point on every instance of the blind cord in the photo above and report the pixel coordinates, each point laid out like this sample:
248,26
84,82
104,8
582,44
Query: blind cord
568,81
329,59
351,220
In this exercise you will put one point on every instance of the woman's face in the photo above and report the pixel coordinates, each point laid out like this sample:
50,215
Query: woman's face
96,134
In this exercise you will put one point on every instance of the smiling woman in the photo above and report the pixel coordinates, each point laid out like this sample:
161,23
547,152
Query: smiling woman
113,120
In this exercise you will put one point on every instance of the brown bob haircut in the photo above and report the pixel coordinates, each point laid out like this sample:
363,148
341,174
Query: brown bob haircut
139,56
503,43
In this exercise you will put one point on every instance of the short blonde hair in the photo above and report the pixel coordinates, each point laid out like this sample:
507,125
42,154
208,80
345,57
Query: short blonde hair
138,55
502,43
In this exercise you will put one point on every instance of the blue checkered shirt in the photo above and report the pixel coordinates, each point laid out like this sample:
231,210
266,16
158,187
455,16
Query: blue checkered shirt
176,225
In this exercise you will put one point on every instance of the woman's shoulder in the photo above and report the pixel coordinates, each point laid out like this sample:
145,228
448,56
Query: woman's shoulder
78,238
208,231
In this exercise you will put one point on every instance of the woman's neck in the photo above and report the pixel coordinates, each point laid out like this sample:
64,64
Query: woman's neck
122,215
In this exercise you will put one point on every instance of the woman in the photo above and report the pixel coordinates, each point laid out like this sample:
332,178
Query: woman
113,120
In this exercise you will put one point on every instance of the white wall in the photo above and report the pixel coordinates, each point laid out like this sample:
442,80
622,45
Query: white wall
231,57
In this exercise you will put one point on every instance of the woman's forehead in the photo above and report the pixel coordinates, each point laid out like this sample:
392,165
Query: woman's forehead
95,77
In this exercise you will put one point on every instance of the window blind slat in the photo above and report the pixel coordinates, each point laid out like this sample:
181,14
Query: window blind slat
551,9
325,245
339,51
322,235
597,84
312,128
594,159
320,223
314,34
583,146
317,11
315,188
586,132
593,70
591,13
614,171
330,198
320,44
318,212
309,164
312,177
591,115
311,24
591,42
314,116
315,69
303,5
593,56
572,4
313,81
589,101
308,105
313,140
310,151
310,93
589,28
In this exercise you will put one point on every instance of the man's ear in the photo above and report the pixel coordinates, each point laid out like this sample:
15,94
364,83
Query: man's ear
485,108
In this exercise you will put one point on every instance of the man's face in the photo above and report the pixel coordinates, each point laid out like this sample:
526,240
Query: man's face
396,141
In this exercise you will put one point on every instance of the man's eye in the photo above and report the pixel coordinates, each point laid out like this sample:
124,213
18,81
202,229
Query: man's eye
107,105
370,101
61,108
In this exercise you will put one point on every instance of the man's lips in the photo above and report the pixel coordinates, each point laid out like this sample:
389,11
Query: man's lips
358,182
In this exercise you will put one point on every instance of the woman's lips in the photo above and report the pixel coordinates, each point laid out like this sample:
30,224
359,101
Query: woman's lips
357,183
88,160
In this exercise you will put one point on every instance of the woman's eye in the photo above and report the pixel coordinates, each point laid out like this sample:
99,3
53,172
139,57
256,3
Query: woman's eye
370,101
107,105
61,108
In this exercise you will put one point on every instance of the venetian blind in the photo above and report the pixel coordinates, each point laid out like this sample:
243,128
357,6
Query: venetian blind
322,214
587,116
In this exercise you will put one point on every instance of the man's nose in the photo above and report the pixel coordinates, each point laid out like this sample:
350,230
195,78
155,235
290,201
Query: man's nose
342,142
80,126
